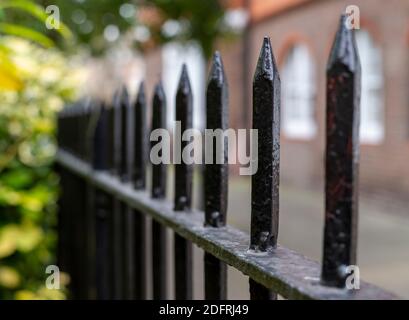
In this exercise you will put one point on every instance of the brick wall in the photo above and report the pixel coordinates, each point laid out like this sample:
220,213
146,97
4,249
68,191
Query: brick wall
384,168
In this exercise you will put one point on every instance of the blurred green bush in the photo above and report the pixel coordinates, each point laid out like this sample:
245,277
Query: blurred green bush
35,82
28,185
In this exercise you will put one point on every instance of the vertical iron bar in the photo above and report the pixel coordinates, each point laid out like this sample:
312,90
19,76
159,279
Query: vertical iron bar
76,200
183,190
141,142
260,292
159,261
265,182
140,145
216,175
342,156
116,224
81,212
63,254
111,164
127,217
102,207
91,118
159,239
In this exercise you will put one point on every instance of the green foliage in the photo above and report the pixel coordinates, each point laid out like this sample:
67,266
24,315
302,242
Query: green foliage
28,185
199,20
9,73
88,20
35,82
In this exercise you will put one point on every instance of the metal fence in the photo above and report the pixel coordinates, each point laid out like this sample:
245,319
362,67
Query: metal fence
102,161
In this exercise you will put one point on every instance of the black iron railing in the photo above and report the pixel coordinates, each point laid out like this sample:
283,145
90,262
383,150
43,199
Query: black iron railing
102,161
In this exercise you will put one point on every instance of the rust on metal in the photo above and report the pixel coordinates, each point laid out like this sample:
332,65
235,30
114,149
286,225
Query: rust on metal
341,158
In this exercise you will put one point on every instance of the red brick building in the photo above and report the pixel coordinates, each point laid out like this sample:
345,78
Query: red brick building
302,32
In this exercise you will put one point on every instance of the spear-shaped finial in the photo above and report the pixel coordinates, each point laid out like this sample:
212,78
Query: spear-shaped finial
217,75
266,65
124,94
216,174
183,190
159,237
265,181
183,171
140,97
116,125
184,87
125,170
344,51
158,122
140,143
342,152
159,94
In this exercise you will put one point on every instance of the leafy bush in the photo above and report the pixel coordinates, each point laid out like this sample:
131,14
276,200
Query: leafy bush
28,186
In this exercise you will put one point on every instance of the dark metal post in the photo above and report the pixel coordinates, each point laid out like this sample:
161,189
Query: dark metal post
127,216
117,217
64,243
265,182
102,203
342,153
139,222
159,239
216,175
183,191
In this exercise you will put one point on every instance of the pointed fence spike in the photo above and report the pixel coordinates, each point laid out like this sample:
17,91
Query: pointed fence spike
344,50
159,236
342,153
116,132
100,147
183,171
126,136
140,142
265,181
183,191
216,175
158,122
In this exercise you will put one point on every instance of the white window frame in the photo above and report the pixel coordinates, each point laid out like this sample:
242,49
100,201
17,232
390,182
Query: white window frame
298,95
372,128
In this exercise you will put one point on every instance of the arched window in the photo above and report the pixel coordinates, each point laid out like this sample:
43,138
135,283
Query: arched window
372,114
298,82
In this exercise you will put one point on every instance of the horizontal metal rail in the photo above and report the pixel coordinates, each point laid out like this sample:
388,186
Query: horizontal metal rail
288,273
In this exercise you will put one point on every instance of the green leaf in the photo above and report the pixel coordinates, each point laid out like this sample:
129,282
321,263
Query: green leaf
8,240
9,277
26,33
9,78
30,236
36,11
18,179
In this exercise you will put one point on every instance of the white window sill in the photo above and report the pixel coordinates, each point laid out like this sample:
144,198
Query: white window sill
300,131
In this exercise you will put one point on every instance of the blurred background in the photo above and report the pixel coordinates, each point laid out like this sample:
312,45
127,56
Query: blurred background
55,52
